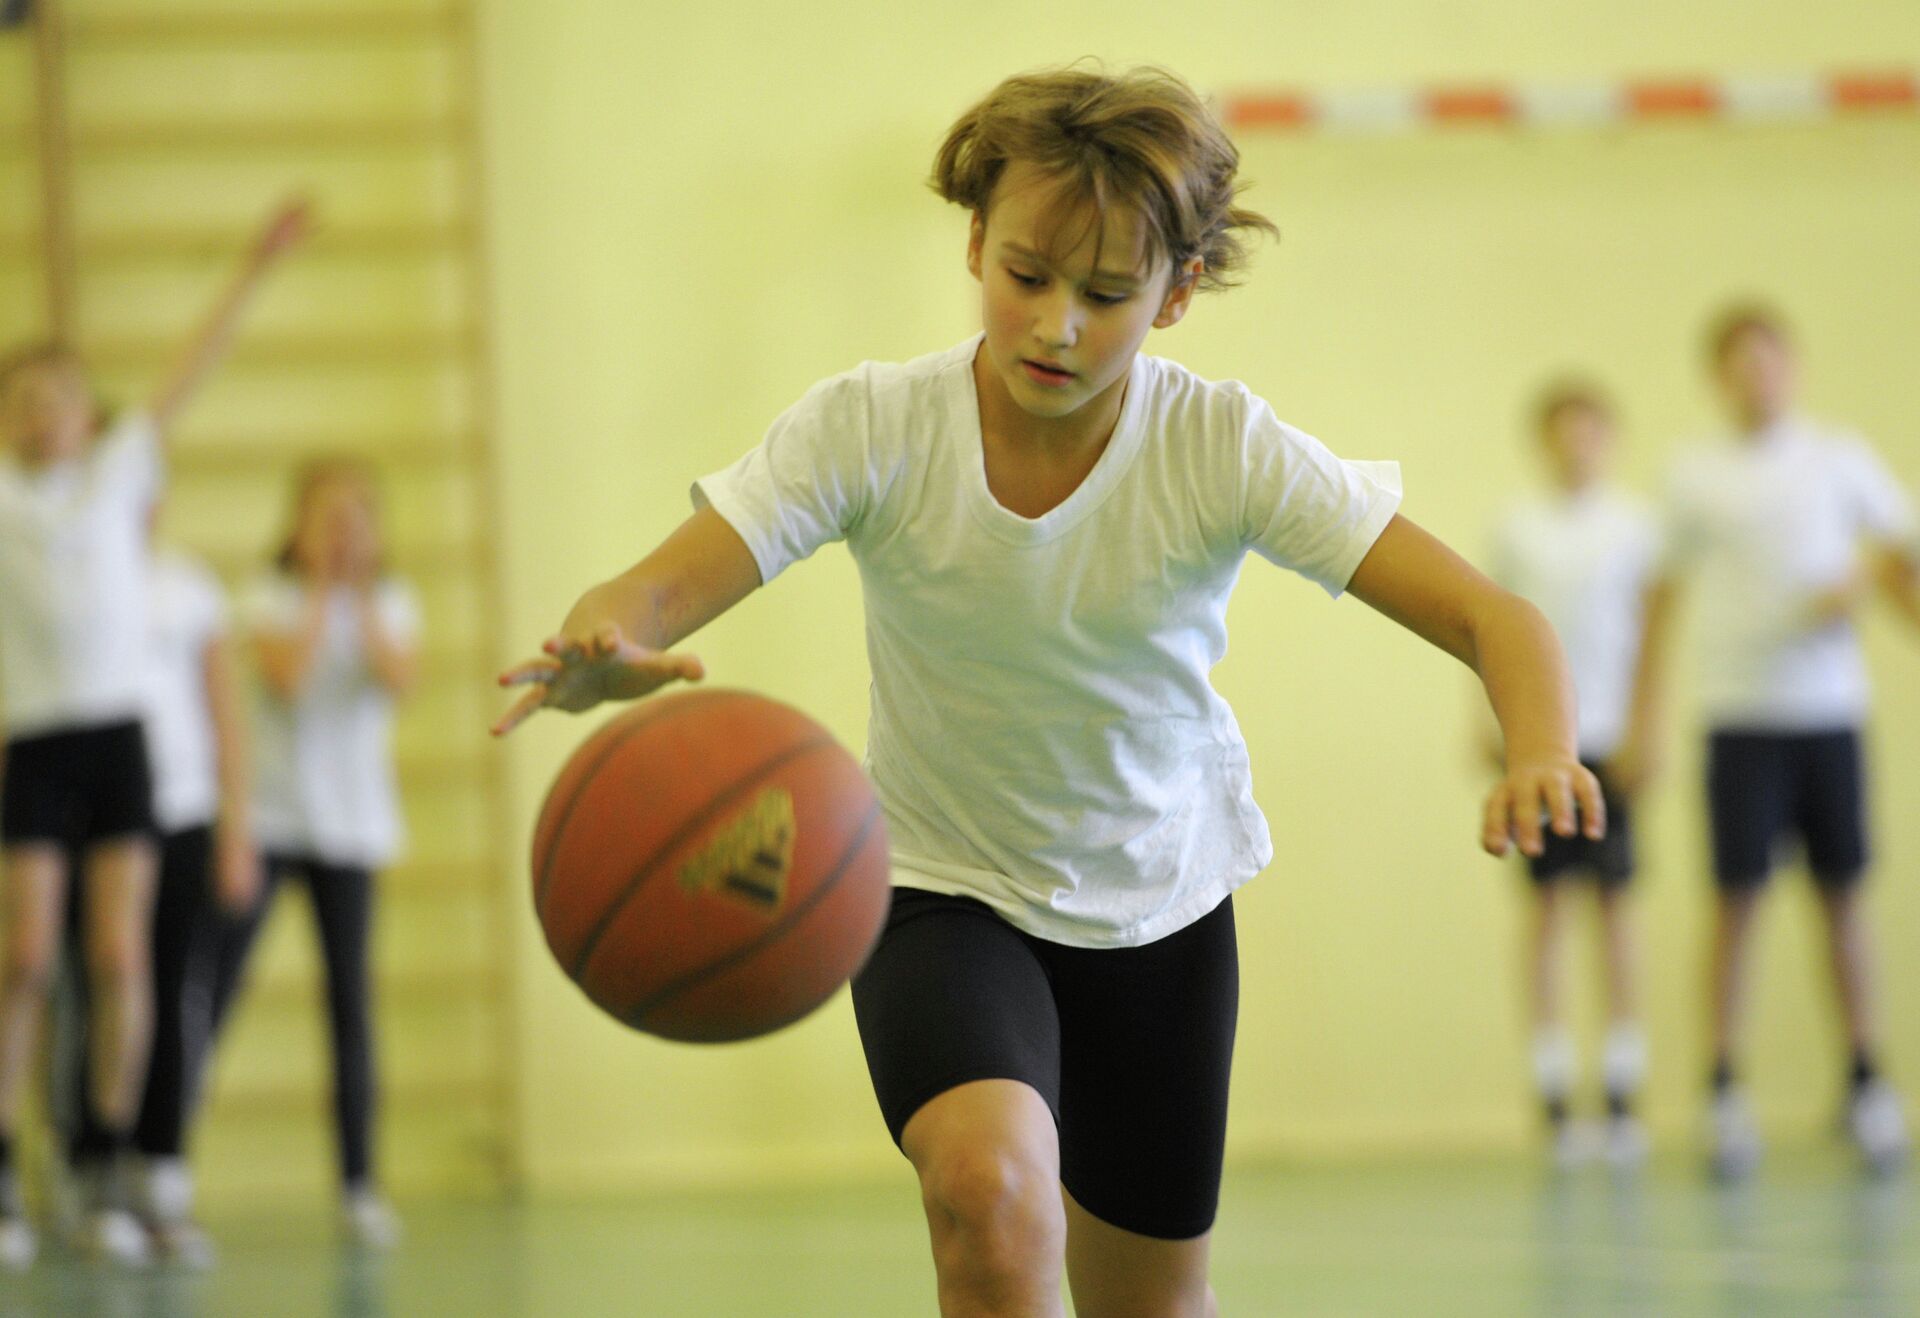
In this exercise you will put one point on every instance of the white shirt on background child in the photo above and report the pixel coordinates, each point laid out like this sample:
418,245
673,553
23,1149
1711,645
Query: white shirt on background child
73,583
324,779
1585,560
1765,524
188,613
1044,734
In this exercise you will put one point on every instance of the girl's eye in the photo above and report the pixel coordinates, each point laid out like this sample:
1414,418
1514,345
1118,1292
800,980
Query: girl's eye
1025,280
1106,299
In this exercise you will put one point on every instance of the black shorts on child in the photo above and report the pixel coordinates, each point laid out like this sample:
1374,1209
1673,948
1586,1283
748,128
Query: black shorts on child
1609,860
1764,787
1131,1048
77,788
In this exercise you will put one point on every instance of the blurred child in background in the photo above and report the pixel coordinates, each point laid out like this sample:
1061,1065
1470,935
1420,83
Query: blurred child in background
1785,523
333,637
1583,550
209,872
75,497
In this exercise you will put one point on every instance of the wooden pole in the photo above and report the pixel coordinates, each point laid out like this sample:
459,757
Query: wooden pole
59,267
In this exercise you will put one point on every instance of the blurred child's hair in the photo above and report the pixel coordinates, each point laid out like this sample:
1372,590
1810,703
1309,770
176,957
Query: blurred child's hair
38,353
1141,139
314,474
1568,394
1749,316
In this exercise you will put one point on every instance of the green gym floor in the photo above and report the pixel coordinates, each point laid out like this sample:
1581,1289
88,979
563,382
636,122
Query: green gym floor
1809,1236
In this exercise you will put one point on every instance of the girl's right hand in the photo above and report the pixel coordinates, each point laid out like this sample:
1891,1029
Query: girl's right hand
578,672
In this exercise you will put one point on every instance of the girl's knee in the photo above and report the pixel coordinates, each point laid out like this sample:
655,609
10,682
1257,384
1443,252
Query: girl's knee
998,1195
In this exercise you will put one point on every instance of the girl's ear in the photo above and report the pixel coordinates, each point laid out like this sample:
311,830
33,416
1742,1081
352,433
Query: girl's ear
976,243
1180,293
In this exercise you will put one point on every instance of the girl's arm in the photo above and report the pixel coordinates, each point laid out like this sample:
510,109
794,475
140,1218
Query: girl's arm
210,342
286,657
236,862
1427,588
613,643
394,661
1898,573
1642,750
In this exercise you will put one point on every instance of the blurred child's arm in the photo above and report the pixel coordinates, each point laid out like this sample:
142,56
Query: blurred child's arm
1642,749
236,862
1898,573
286,657
393,659
1418,582
210,342
613,644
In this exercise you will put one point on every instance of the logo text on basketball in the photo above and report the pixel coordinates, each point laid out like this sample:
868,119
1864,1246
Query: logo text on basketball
749,857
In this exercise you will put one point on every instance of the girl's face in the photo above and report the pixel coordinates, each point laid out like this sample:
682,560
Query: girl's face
1756,376
46,412
1062,330
339,534
1578,441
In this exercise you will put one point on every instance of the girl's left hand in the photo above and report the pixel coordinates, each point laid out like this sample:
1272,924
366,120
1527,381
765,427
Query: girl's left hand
1555,792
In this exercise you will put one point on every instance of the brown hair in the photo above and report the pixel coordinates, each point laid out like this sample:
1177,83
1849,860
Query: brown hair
1140,138
1741,318
312,475
1566,394
40,352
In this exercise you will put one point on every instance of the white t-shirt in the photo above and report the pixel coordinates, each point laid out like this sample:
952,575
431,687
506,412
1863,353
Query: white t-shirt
1766,523
1044,736
73,570
324,782
188,613
1585,561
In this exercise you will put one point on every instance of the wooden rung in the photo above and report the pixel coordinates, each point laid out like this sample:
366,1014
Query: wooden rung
223,135
472,985
258,351
253,458
236,1101
429,563
305,28
336,241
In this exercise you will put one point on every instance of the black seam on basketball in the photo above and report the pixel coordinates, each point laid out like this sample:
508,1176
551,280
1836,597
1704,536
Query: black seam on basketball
687,701
732,792
694,978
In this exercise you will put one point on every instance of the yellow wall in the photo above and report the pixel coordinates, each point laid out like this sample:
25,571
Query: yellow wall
699,210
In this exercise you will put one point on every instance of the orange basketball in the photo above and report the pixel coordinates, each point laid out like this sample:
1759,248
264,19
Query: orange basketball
710,865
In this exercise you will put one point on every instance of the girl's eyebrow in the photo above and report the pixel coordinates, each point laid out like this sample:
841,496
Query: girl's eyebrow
1101,276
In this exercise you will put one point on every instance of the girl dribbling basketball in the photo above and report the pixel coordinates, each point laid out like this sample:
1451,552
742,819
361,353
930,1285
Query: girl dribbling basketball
1048,525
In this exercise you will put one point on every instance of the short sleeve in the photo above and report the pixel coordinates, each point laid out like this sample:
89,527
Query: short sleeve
808,482
127,457
1305,509
399,611
1879,503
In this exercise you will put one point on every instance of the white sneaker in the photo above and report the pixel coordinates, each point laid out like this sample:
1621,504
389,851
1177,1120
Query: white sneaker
369,1221
113,1235
1576,1143
1626,1143
1878,1127
1734,1135
166,1198
18,1243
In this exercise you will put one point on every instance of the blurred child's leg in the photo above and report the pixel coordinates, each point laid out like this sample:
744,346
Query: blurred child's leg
181,912
119,878
32,900
1850,953
343,909
988,1159
1727,969
1552,1051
